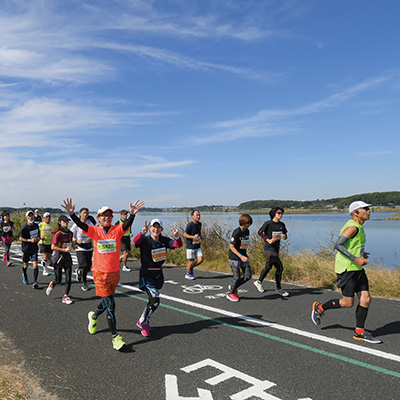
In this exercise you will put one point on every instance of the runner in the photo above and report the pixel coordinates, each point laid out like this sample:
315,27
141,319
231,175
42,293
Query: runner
125,241
351,277
272,232
46,235
192,235
7,236
37,219
153,252
29,238
61,259
84,249
106,268
238,259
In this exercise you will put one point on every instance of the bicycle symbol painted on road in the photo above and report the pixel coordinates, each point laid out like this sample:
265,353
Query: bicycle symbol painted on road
197,289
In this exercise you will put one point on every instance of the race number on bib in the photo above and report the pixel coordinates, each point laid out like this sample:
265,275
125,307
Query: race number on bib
196,240
244,244
159,254
107,246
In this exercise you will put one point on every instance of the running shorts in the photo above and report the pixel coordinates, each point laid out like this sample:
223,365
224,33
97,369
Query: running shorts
351,282
191,254
106,282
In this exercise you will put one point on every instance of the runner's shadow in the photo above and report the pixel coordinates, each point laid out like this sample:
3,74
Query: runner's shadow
388,329
337,326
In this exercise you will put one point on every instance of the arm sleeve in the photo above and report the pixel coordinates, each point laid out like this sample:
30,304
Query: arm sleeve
137,239
341,249
79,223
128,222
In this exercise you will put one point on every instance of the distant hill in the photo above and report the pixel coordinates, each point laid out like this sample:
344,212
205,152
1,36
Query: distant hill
384,199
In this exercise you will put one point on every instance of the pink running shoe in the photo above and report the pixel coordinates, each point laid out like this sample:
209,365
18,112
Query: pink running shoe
145,329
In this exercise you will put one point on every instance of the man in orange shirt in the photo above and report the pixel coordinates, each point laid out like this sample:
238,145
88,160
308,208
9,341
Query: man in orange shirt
106,267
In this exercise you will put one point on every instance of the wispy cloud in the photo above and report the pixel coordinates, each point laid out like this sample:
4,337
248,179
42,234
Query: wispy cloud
277,121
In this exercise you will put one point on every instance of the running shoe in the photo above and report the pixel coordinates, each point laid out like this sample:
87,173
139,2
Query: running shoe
366,337
25,279
9,264
232,297
66,300
126,269
259,286
92,327
118,343
139,324
282,292
45,271
35,285
316,315
4,257
145,329
189,276
78,274
49,288
85,287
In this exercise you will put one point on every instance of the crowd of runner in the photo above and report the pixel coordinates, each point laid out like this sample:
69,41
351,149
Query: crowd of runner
103,248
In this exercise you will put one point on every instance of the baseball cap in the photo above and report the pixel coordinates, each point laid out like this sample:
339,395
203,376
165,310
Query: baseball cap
355,205
46,214
104,209
83,209
124,212
63,218
28,212
156,221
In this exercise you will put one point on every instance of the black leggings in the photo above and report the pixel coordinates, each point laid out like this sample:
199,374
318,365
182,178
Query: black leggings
238,280
7,247
272,260
84,263
108,303
60,262
151,306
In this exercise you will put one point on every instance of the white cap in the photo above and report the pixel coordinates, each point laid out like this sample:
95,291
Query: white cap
28,212
46,214
104,209
36,210
355,205
156,221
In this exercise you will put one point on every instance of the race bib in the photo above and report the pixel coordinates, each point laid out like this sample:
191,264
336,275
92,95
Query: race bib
276,235
66,244
34,234
7,229
159,254
196,240
244,244
107,246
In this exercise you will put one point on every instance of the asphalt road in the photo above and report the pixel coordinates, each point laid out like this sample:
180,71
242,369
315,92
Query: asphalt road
202,346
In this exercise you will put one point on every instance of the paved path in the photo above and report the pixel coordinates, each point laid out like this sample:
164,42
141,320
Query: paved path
202,345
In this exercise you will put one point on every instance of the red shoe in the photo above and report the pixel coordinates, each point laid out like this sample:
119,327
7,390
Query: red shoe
4,258
232,297
8,263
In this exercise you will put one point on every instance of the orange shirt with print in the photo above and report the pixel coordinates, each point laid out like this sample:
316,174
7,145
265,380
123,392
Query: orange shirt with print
106,247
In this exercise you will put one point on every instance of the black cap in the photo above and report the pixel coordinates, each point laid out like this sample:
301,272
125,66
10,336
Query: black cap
124,212
63,218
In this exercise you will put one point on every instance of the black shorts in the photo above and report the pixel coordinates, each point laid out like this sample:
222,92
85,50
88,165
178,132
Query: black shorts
126,243
30,255
45,248
84,259
351,282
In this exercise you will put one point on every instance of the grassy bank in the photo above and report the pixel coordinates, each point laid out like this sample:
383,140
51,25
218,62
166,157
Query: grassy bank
308,267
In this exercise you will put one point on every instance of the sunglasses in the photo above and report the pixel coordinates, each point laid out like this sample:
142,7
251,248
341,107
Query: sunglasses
365,208
279,212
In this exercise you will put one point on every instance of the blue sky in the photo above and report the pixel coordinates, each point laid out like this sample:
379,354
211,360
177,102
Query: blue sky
192,102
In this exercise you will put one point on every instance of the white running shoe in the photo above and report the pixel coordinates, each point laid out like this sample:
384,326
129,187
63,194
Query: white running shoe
282,292
45,271
259,286
66,300
126,269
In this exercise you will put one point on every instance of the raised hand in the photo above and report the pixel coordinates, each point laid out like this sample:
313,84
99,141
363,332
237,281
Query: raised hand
68,206
134,208
175,230
145,229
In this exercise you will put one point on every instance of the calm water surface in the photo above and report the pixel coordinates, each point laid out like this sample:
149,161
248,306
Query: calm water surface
304,230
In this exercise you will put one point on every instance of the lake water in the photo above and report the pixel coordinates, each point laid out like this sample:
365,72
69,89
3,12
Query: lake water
304,230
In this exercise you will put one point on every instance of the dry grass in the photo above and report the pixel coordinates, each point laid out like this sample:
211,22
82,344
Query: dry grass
16,381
